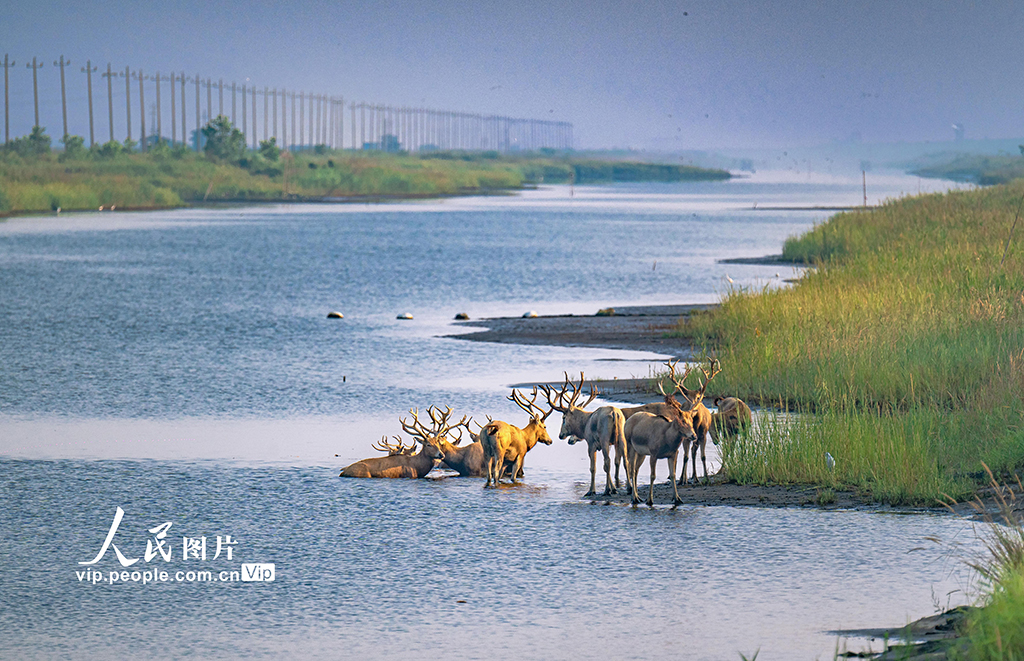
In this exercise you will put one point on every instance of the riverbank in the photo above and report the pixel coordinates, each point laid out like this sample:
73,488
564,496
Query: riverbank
637,328
113,176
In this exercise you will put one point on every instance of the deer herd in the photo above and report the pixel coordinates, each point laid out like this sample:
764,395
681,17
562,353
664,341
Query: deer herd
496,451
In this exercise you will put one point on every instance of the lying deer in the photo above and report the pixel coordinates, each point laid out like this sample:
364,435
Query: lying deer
658,437
466,460
732,417
505,446
400,461
601,428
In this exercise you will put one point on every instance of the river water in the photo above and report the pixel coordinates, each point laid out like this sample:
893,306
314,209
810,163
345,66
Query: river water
179,365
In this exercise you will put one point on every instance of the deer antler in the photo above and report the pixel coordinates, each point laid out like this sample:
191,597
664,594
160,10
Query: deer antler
562,401
439,423
464,424
715,367
391,449
530,406
677,381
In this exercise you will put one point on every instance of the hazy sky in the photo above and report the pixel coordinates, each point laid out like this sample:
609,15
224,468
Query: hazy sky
689,74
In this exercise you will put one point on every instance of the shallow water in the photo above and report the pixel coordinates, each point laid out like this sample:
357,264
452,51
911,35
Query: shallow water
179,365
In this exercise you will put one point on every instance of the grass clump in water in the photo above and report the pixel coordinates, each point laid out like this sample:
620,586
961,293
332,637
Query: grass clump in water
902,351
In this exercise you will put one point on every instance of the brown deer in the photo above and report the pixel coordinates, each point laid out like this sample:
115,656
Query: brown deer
732,417
601,428
505,446
400,461
658,437
694,402
466,460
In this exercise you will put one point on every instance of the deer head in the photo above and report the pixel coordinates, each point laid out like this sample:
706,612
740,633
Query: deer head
695,397
537,414
564,401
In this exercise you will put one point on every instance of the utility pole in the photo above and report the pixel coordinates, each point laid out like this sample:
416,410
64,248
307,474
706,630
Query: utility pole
199,118
7,99
266,96
245,129
255,138
109,75
128,100
209,99
184,131
352,124
88,69
220,92
142,111
159,122
293,117
63,94
273,131
174,112
302,115
35,84
232,103
284,119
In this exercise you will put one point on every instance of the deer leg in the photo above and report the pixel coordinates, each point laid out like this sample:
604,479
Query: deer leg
693,458
704,461
672,479
516,468
592,451
686,454
632,467
609,488
493,474
654,470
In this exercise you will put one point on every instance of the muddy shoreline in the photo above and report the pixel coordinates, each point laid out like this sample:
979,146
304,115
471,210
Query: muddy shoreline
634,328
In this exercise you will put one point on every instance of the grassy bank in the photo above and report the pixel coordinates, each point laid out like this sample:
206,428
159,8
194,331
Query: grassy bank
34,179
902,354
977,169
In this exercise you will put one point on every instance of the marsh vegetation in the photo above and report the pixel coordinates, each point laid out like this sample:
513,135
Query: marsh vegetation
901,353
35,179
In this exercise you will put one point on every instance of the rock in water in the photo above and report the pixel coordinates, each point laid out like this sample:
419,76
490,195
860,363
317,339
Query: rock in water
462,316
405,315
335,315
529,315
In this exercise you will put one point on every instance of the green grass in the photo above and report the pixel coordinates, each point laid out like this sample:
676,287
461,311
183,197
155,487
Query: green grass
996,631
903,351
978,169
33,179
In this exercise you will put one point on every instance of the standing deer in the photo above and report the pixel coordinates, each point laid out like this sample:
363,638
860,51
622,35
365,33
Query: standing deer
601,428
505,446
658,437
732,417
400,461
695,404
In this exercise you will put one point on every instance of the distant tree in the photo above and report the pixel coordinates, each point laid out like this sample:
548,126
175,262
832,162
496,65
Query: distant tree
223,140
269,149
1021,147
74,147
35,143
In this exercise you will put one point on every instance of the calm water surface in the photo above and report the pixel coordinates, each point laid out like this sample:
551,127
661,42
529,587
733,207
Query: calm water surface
179,365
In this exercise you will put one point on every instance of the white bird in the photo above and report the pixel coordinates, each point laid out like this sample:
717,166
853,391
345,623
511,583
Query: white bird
830,461
728,278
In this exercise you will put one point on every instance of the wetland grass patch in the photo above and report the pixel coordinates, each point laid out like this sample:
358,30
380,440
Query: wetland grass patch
903,351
